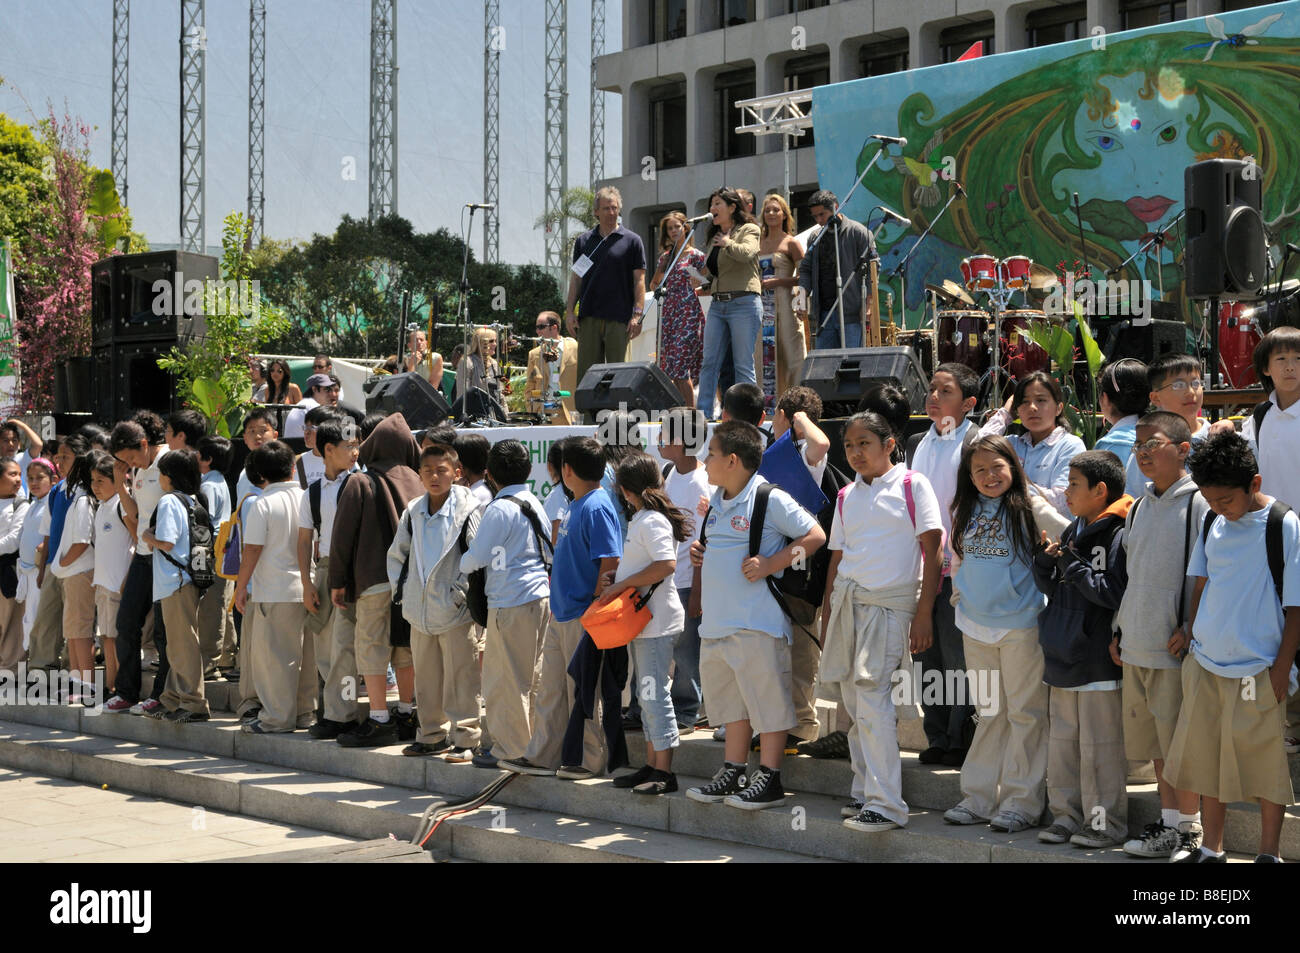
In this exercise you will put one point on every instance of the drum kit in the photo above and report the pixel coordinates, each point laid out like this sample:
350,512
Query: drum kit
961,330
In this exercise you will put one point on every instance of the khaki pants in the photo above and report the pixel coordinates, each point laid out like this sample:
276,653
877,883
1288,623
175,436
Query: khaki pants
373,650
47,633
229,653
600,342
1087,772
286,666
342,684
185,678
214,620
1006,766
79,606
805,659
11,634
555,701
447,685
512,651
248,699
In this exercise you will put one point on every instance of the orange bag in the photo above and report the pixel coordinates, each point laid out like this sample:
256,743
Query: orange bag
618,621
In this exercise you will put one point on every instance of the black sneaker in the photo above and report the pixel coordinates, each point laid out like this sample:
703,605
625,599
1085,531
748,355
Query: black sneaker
183,716
729,780
370,734
524,766
764,791
932,755
408,724
484,758
251,715
834,745
631,723
327,730
954,758
1267,859
660,782
420,749
639,776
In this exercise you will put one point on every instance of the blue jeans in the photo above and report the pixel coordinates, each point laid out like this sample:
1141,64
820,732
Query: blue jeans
829,336
686,667
658,722
739,321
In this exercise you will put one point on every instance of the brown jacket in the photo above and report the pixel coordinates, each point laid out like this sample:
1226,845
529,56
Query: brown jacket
538,372
365,521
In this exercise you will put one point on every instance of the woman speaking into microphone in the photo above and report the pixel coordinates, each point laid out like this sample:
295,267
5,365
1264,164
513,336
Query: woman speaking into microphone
736,310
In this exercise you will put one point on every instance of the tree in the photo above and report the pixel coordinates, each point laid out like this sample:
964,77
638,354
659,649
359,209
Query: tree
212,373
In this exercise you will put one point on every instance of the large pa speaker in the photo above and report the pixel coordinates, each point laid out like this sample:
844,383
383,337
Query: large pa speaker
1226,253
842,376
159,295
103,286
412,396
127,378
631,386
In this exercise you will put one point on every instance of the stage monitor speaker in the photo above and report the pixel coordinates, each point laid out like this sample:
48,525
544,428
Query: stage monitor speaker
127,378
1226,247
73,386
842,376
151,298
1146,342
412,396
631,386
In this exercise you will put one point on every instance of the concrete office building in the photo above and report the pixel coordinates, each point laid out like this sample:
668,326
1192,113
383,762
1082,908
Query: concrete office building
684,64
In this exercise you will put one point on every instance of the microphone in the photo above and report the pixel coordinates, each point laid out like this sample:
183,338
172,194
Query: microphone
479,205
893,216
897,140
699,218
961,189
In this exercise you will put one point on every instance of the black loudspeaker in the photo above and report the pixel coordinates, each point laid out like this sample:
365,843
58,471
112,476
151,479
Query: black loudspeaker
1226,253
1146,342
632,386
127,378
73,385
103,282
841,376
412,396
159,295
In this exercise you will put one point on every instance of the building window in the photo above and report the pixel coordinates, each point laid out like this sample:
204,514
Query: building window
668,125
728,89
877,59
667,20
805,73
798,6
1140,13
735,12
1056,24
1230,5
956,40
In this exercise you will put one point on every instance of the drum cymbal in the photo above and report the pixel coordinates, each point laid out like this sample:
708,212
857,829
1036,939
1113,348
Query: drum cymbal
1042,278
951,292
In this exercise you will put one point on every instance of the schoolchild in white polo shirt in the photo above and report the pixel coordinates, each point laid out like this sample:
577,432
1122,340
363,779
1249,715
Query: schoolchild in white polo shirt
114,546
1273,430
744,633
332,629
285,664
1228,742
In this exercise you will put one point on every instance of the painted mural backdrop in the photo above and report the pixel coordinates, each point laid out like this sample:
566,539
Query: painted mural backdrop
1115,119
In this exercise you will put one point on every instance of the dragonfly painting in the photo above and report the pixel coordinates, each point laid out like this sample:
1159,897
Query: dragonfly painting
1236,39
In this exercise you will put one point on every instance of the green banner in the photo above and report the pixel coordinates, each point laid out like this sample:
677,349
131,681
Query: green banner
8,307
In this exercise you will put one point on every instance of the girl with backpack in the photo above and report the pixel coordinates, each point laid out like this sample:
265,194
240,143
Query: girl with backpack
880,590
174,585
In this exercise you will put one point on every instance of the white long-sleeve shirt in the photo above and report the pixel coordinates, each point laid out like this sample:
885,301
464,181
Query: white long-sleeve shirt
12,512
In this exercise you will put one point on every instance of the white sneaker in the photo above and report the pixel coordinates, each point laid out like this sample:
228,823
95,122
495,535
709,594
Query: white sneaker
1157,840
1010,822
963,816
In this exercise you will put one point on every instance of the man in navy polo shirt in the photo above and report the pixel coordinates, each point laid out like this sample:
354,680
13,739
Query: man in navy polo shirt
606,287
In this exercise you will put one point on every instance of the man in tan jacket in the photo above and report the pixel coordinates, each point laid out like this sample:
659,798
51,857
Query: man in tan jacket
546,375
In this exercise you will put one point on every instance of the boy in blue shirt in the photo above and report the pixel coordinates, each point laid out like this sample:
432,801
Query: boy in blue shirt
1228,742
745,634
587,550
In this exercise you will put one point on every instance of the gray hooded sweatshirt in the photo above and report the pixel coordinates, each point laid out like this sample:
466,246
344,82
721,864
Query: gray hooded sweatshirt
1155,541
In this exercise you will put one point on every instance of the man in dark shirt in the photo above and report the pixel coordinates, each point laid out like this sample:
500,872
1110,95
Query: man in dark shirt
817,285
606,287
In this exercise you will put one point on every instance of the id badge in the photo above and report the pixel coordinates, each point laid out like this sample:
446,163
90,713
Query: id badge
581,266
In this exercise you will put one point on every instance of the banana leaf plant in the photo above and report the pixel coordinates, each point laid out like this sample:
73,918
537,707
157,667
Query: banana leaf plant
1081,409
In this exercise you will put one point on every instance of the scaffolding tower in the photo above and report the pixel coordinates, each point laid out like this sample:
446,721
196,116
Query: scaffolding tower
194,44
256,117
383,108
121,32
492,43
556,175
597,96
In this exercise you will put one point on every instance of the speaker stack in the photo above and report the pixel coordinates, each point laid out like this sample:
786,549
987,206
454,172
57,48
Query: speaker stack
841,377
140,310
411,395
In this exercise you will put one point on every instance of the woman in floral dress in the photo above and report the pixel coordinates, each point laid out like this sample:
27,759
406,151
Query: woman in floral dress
681,319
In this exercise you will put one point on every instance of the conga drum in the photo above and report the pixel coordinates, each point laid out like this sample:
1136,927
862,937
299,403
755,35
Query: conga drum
962,336
1238,336
1021,356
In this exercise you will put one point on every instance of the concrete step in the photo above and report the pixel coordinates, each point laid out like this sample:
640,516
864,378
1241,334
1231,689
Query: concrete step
386,850
355,808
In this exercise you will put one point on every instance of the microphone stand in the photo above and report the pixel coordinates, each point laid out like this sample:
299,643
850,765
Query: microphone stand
1083,246
1157,239
901,267
462,305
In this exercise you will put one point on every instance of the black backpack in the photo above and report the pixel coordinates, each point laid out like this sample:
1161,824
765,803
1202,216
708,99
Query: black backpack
314,494
1257,415
201,565
1272,541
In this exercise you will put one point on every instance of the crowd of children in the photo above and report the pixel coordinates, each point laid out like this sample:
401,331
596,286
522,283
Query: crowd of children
1084,610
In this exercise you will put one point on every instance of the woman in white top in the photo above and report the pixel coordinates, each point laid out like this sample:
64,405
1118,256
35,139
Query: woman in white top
13,507
73,562
647,565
